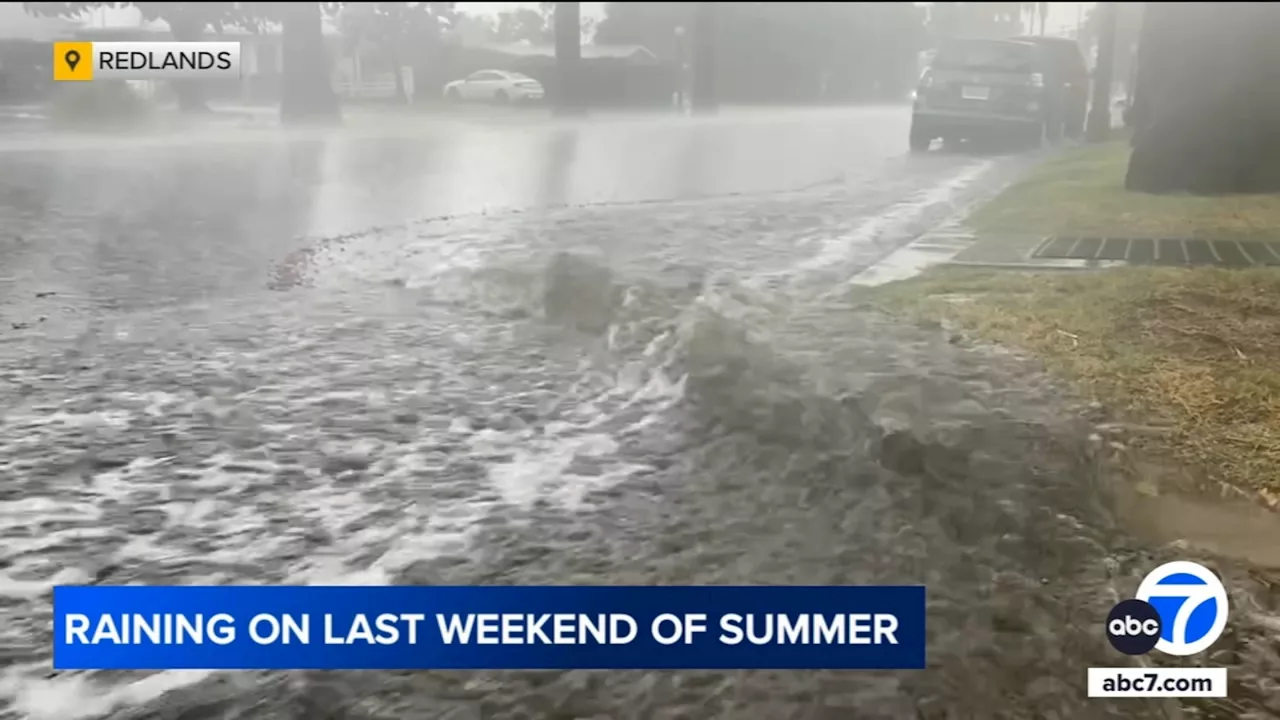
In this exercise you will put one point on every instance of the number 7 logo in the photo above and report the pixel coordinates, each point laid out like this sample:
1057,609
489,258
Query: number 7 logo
1192,604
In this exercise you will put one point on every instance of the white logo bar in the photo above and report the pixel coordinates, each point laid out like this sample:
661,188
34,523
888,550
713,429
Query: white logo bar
1157,682
165,60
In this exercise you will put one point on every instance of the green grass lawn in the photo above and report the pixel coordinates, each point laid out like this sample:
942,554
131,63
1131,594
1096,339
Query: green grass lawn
1083,193
1197,348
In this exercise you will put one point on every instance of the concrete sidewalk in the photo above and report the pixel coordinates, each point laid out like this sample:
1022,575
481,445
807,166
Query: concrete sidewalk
953,244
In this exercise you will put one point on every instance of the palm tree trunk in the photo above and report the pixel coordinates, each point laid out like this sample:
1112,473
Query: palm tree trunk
188,26
703,95
306,93
1146,73
568,29
393,58
1099,128
1205,122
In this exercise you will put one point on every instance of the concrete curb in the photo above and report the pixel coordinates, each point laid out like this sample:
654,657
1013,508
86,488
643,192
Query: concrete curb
936,247
954,244
1044,264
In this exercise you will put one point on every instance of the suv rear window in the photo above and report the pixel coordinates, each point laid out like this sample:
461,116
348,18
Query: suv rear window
998,56
1064,52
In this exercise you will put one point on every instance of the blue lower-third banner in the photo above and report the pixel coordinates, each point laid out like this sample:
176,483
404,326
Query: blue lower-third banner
475,628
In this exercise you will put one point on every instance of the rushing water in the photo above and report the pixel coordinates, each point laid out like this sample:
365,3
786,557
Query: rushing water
674,392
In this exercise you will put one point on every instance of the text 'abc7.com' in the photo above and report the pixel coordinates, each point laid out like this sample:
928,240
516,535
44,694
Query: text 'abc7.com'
1180,609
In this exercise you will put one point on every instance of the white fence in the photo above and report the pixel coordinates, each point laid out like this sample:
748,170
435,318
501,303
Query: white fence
379,86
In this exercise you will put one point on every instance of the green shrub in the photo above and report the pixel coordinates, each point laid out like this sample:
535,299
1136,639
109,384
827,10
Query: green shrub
98,104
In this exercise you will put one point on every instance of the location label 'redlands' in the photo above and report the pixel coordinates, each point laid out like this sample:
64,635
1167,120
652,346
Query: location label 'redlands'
84,61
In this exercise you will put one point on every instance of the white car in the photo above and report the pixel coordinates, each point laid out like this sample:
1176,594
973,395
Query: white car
497,86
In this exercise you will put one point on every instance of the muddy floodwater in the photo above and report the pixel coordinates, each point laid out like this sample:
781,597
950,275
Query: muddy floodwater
601,352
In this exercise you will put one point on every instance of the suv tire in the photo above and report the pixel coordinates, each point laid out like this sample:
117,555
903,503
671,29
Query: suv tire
920,138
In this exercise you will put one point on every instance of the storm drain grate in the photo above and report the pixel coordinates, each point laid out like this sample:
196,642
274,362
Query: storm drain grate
1161,251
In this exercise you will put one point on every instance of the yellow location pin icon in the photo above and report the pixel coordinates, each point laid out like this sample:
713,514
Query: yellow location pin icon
73,61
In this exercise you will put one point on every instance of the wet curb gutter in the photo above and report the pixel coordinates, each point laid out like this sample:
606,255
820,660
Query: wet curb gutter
1117,471
1128,479
954,244
936,247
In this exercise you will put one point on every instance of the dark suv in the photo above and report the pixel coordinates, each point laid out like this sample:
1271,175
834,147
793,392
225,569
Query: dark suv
976,89
1068,76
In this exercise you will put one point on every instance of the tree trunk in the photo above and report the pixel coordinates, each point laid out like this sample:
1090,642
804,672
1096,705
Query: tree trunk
402,95
568,29
1099,129
1147,74
306,94
186,27
703,95
1207,117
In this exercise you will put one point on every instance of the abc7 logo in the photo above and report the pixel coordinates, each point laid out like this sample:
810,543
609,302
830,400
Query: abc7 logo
1194,605
1133,627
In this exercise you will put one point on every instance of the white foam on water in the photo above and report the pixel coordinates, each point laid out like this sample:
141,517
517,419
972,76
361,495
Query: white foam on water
73,696
905,262
439,256
113,419
232,517
35,545
18,514
541,471
834,250
234,514
369,541
540,465
32,589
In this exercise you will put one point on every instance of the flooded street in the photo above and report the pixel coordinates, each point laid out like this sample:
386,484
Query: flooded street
612,351
102,216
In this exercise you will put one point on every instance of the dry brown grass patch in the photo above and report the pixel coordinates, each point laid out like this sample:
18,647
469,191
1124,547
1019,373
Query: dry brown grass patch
1198,348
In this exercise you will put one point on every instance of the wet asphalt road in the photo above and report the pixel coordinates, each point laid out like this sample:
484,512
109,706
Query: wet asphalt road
152,220
608,352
